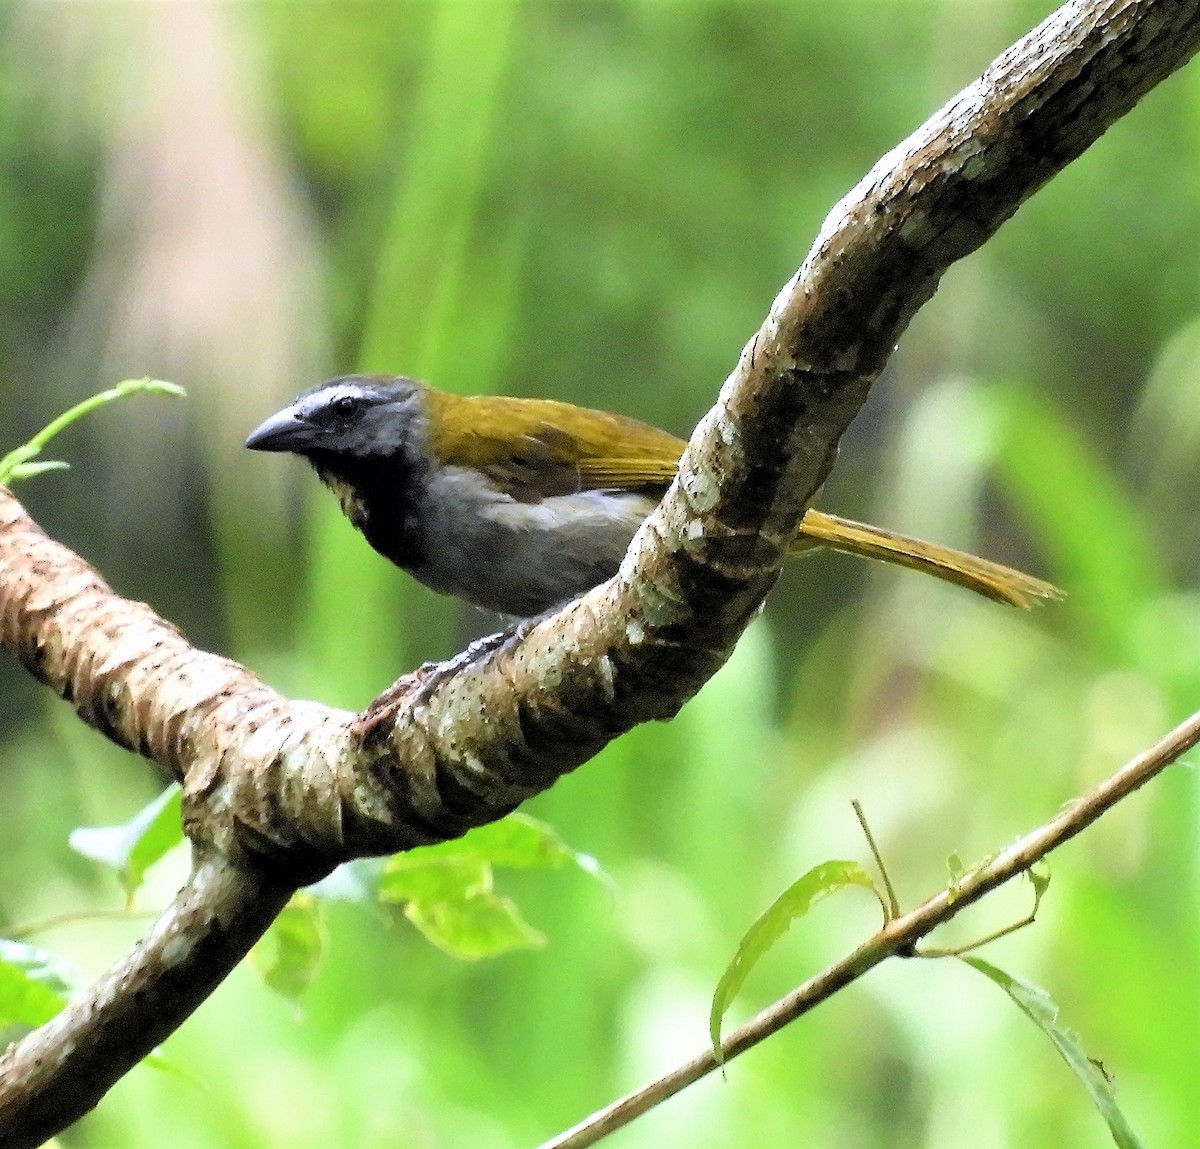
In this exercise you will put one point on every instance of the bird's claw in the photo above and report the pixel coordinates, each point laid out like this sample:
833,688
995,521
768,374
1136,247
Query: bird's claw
418,686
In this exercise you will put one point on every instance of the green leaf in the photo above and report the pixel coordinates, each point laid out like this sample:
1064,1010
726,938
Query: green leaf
411,878
1039,879
447,890
483,924
452,902
516,842
17,463
31,988
954,864
45,967
1041,1009
290,952
132,848
29,470
793,903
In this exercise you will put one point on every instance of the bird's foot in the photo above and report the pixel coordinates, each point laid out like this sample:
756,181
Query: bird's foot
418,686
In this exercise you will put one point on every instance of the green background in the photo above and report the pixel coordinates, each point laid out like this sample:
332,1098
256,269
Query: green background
598,202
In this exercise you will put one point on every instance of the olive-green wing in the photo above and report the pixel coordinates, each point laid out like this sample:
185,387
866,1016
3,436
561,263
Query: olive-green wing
535,448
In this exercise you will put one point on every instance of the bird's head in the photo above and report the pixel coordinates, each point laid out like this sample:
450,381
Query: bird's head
357,417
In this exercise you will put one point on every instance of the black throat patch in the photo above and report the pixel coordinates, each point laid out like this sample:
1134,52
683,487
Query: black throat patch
381,498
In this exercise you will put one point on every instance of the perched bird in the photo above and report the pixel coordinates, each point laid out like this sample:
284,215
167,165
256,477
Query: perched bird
518,505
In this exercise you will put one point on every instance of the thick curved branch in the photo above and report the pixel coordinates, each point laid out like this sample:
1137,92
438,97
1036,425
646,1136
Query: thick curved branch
287,789
288,785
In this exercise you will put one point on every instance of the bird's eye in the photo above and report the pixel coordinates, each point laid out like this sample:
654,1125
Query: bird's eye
346,405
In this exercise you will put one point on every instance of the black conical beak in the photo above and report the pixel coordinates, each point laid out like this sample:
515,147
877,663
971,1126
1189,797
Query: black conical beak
283,431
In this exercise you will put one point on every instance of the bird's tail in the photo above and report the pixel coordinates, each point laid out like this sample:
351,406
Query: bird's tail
992,580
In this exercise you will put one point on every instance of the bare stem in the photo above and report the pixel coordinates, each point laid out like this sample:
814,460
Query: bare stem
71,918
892,906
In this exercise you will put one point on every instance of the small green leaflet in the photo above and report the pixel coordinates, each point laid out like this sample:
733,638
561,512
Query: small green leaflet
15,470
448,893
33,987
517,842
289,953
1042,1010
41,965
954,864
1039,878
453,903
793,903
132,848
18,463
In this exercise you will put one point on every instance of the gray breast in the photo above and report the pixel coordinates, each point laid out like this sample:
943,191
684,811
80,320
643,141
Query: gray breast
521,558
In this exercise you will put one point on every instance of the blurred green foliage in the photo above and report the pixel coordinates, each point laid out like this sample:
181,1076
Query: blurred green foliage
597,201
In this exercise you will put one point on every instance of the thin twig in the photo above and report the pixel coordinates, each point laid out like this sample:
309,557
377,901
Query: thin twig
893,902
74,917
899,936
1039,887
